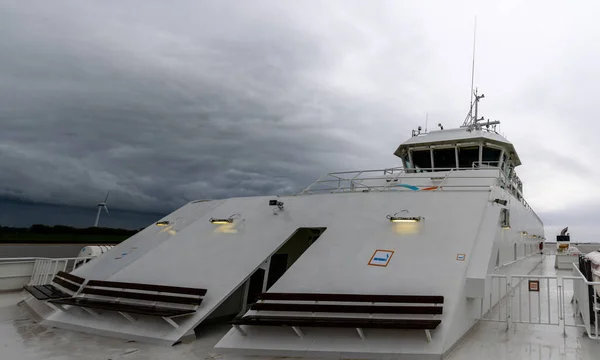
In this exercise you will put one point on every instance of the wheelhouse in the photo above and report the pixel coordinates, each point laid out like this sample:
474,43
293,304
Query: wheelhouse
462,149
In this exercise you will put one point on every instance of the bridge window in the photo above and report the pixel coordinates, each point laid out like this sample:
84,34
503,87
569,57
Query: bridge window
444,159
407,163
422,159
467,156
490,156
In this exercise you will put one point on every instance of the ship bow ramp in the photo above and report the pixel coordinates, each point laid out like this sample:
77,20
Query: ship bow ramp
371,255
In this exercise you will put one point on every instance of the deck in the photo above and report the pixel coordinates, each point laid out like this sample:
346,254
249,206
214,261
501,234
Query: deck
22,338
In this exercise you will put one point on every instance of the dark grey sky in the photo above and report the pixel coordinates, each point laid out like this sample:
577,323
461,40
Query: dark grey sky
165,102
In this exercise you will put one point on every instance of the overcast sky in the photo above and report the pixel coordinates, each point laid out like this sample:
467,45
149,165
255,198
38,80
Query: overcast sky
165,102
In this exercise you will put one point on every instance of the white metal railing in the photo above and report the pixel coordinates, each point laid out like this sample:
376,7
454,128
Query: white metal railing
540,306
18,272
387,179
441,185
486,164
495,308
510,300
15,273
44,269
581,298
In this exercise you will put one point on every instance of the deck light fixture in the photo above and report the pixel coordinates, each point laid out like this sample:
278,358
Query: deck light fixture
403,219
228,220
163,223
220,221
398,219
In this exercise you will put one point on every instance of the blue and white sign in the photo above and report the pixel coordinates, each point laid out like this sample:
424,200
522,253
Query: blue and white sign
381,258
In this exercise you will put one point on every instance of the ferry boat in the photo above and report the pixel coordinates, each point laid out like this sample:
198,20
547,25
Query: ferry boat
440,257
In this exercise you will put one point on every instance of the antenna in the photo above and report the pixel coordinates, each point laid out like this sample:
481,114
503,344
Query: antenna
426,117
473,63
470,119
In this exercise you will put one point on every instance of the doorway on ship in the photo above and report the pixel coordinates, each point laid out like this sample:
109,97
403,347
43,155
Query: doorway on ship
263,277
274,268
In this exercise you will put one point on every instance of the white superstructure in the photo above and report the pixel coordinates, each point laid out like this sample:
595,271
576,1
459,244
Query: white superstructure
443,224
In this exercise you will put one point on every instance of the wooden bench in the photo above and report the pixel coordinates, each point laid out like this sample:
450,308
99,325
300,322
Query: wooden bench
127,298
280,305
63,285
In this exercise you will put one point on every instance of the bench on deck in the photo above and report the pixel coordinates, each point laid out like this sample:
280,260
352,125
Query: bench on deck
421,308
126,298
63,285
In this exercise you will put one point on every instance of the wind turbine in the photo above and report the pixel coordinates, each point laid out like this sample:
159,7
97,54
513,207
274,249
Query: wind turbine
101,205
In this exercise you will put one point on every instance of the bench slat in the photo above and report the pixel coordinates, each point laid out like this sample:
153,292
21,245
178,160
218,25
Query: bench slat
66,284
147,287
425,324
409,299
355,309
134,309
71,277
40,295
49,293
142,296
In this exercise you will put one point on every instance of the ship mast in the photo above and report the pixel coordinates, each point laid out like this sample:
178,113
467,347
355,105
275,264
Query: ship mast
471,119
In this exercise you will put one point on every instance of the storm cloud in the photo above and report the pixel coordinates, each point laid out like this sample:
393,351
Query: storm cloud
163,103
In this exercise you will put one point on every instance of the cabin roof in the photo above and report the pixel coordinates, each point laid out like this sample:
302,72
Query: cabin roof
457,136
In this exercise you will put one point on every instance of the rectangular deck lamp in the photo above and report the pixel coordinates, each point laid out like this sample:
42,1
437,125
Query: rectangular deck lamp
404,219
220,221
163,223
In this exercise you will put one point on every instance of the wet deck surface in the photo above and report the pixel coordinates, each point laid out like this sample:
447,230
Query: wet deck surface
21,338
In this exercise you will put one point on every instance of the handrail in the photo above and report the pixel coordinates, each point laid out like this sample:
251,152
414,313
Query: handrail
477,164
387,180
584,301
356,180
44,269
18,272
587,282
21,259
443,181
